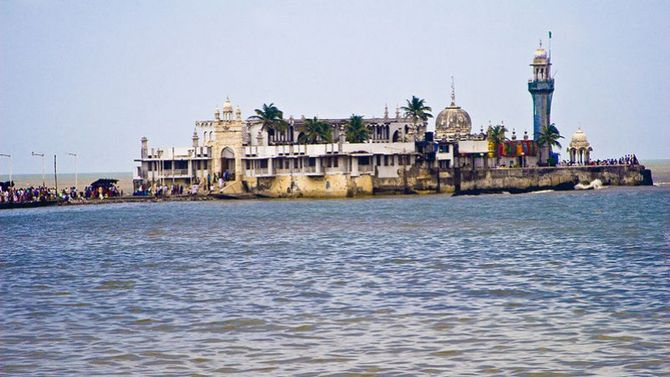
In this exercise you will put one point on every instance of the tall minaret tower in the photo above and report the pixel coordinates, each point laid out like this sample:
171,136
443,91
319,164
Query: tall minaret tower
541,87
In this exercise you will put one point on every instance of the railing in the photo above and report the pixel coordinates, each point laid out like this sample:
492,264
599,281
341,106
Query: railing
175,172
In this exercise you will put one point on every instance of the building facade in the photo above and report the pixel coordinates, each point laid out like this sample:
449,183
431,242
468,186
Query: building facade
232,155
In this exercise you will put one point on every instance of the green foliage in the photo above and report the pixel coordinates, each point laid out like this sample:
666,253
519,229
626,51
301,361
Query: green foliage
417,110
315,131
496,135
270,117
549,136
357,132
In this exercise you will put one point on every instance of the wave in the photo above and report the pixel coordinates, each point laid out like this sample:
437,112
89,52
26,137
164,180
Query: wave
541,191
596,184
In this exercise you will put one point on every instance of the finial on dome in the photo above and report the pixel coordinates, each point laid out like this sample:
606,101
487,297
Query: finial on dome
540,43
453,92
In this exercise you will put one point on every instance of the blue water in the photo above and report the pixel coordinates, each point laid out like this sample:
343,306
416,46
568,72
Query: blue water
551,284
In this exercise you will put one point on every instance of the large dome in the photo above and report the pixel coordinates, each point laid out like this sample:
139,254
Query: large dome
452,122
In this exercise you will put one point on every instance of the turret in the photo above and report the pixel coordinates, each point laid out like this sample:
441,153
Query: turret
144,152
227,110
195,139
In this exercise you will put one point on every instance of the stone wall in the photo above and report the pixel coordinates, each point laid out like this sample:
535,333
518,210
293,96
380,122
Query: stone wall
522,180
458,181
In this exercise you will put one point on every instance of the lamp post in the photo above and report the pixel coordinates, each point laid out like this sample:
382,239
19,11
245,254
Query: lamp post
76,173
41,155
10,165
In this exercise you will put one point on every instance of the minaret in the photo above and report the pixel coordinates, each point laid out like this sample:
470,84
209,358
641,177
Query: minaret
195,139
541,87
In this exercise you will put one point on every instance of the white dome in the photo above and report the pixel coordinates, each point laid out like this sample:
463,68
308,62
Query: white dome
452,121
579,140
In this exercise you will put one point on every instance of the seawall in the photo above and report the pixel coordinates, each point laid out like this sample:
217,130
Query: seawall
457,181
554,178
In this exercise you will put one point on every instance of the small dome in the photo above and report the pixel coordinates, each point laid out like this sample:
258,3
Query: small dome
227,106
579,140
540,53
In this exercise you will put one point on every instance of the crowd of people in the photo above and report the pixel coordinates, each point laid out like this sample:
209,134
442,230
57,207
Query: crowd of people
162,190
11,194
629,159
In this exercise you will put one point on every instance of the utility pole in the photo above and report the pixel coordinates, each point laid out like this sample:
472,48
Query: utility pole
10,166
41,155
55,176
76,172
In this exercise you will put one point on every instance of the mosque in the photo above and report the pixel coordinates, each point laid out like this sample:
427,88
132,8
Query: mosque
231,155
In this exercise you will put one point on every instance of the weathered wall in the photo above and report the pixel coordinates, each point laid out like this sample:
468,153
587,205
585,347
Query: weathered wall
422,180
339,185
549,178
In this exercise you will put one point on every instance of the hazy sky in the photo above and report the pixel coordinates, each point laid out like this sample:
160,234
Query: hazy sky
93,77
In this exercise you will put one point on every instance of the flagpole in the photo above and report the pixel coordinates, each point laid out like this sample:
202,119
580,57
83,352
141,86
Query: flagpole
549,45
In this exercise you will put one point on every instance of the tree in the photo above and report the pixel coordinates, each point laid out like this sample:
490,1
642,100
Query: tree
357,132
314,131
270,117
417,110
496,136
548,138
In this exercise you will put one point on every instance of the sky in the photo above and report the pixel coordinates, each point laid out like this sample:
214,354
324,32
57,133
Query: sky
93,77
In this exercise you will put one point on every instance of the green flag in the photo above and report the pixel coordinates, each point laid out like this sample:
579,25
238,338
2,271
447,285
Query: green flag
549,35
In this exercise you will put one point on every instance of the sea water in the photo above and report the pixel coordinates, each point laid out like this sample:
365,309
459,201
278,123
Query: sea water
554,283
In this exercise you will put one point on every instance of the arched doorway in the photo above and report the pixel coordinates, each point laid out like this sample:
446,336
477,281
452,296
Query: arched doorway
396,137
227,164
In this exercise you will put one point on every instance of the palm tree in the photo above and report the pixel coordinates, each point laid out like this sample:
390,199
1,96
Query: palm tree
357,132
314,131
271,118
417,110
548,138
496,135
